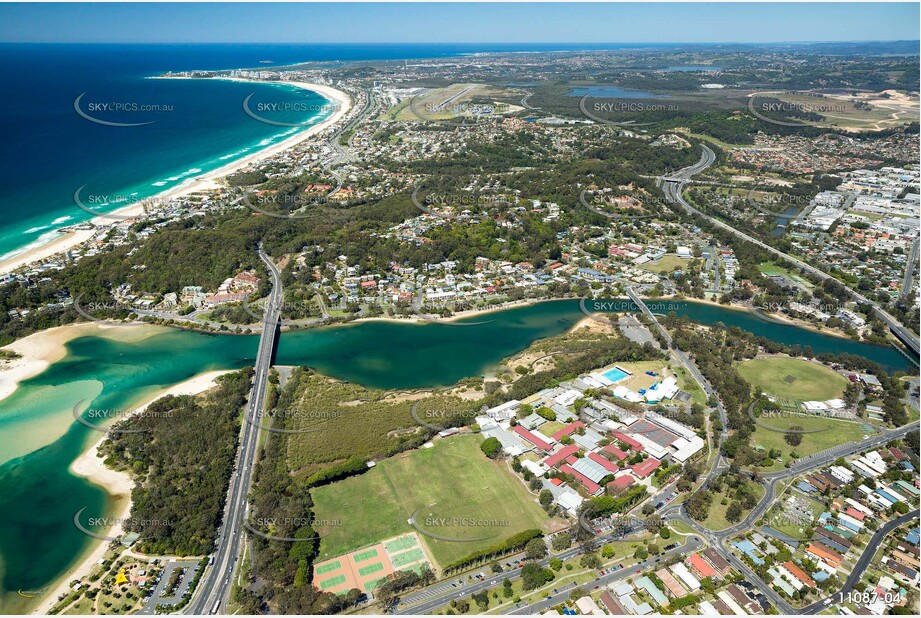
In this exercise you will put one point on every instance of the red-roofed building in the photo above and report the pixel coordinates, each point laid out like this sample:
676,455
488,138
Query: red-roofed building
557,482
569,429
799,574
613,450
821,552
852,512
533,439
700,566
561,455
633,444
645,468
622,482
604,462
591,486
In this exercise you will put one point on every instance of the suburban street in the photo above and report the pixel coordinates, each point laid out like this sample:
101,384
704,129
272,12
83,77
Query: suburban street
691,545
435,596
863,562
214,588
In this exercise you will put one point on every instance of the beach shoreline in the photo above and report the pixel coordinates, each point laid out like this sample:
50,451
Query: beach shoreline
117,484
42,348
203,182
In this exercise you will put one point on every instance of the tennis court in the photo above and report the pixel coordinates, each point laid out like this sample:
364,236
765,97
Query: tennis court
329,567
366,555
407,557
367,567
332,582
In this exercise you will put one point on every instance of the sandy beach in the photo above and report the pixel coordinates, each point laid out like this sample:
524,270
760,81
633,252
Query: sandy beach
118,484
40,349
203,182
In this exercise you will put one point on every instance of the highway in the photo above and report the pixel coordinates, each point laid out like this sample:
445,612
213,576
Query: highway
673,187
214,588
910,266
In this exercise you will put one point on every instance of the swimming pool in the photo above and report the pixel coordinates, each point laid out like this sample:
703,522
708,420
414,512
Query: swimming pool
615,374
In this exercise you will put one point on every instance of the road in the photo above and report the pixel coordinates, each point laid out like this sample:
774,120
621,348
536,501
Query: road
431,598
829,456
718,539
673,187
708,389
691,545
214,587
910,266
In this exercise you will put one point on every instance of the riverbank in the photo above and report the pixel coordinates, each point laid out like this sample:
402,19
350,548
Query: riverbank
776,317
204,182
118,485
460,315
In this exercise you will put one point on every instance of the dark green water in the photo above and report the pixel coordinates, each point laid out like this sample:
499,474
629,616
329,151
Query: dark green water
39,438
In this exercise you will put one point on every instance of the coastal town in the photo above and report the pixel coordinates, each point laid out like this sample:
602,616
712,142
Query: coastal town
462,345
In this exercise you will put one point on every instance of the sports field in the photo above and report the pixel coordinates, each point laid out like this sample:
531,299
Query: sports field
453,491
667,264
836,431
793,379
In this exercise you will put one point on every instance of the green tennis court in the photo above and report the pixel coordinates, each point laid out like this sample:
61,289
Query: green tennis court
371,569
371,585
399,544
407,557
365,555
329,567
332,582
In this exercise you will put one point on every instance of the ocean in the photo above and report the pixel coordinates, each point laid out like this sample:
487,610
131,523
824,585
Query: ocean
49,151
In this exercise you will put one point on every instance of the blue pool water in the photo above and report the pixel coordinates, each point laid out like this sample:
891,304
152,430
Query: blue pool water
614,375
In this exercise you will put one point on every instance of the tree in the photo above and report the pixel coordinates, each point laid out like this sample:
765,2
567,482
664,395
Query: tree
546,498
556,564
641,553
561,541
534,576
535,549
590,561
491,447
734,512
793,437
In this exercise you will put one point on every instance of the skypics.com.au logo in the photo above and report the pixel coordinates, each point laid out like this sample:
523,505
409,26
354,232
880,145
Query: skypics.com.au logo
112,113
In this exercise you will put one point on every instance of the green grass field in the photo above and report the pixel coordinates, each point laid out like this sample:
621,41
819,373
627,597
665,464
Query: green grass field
838,431
451,481
551,427
771,269
793,379
667,264
716,517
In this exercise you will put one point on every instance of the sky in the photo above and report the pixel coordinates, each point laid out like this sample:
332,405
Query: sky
458,22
